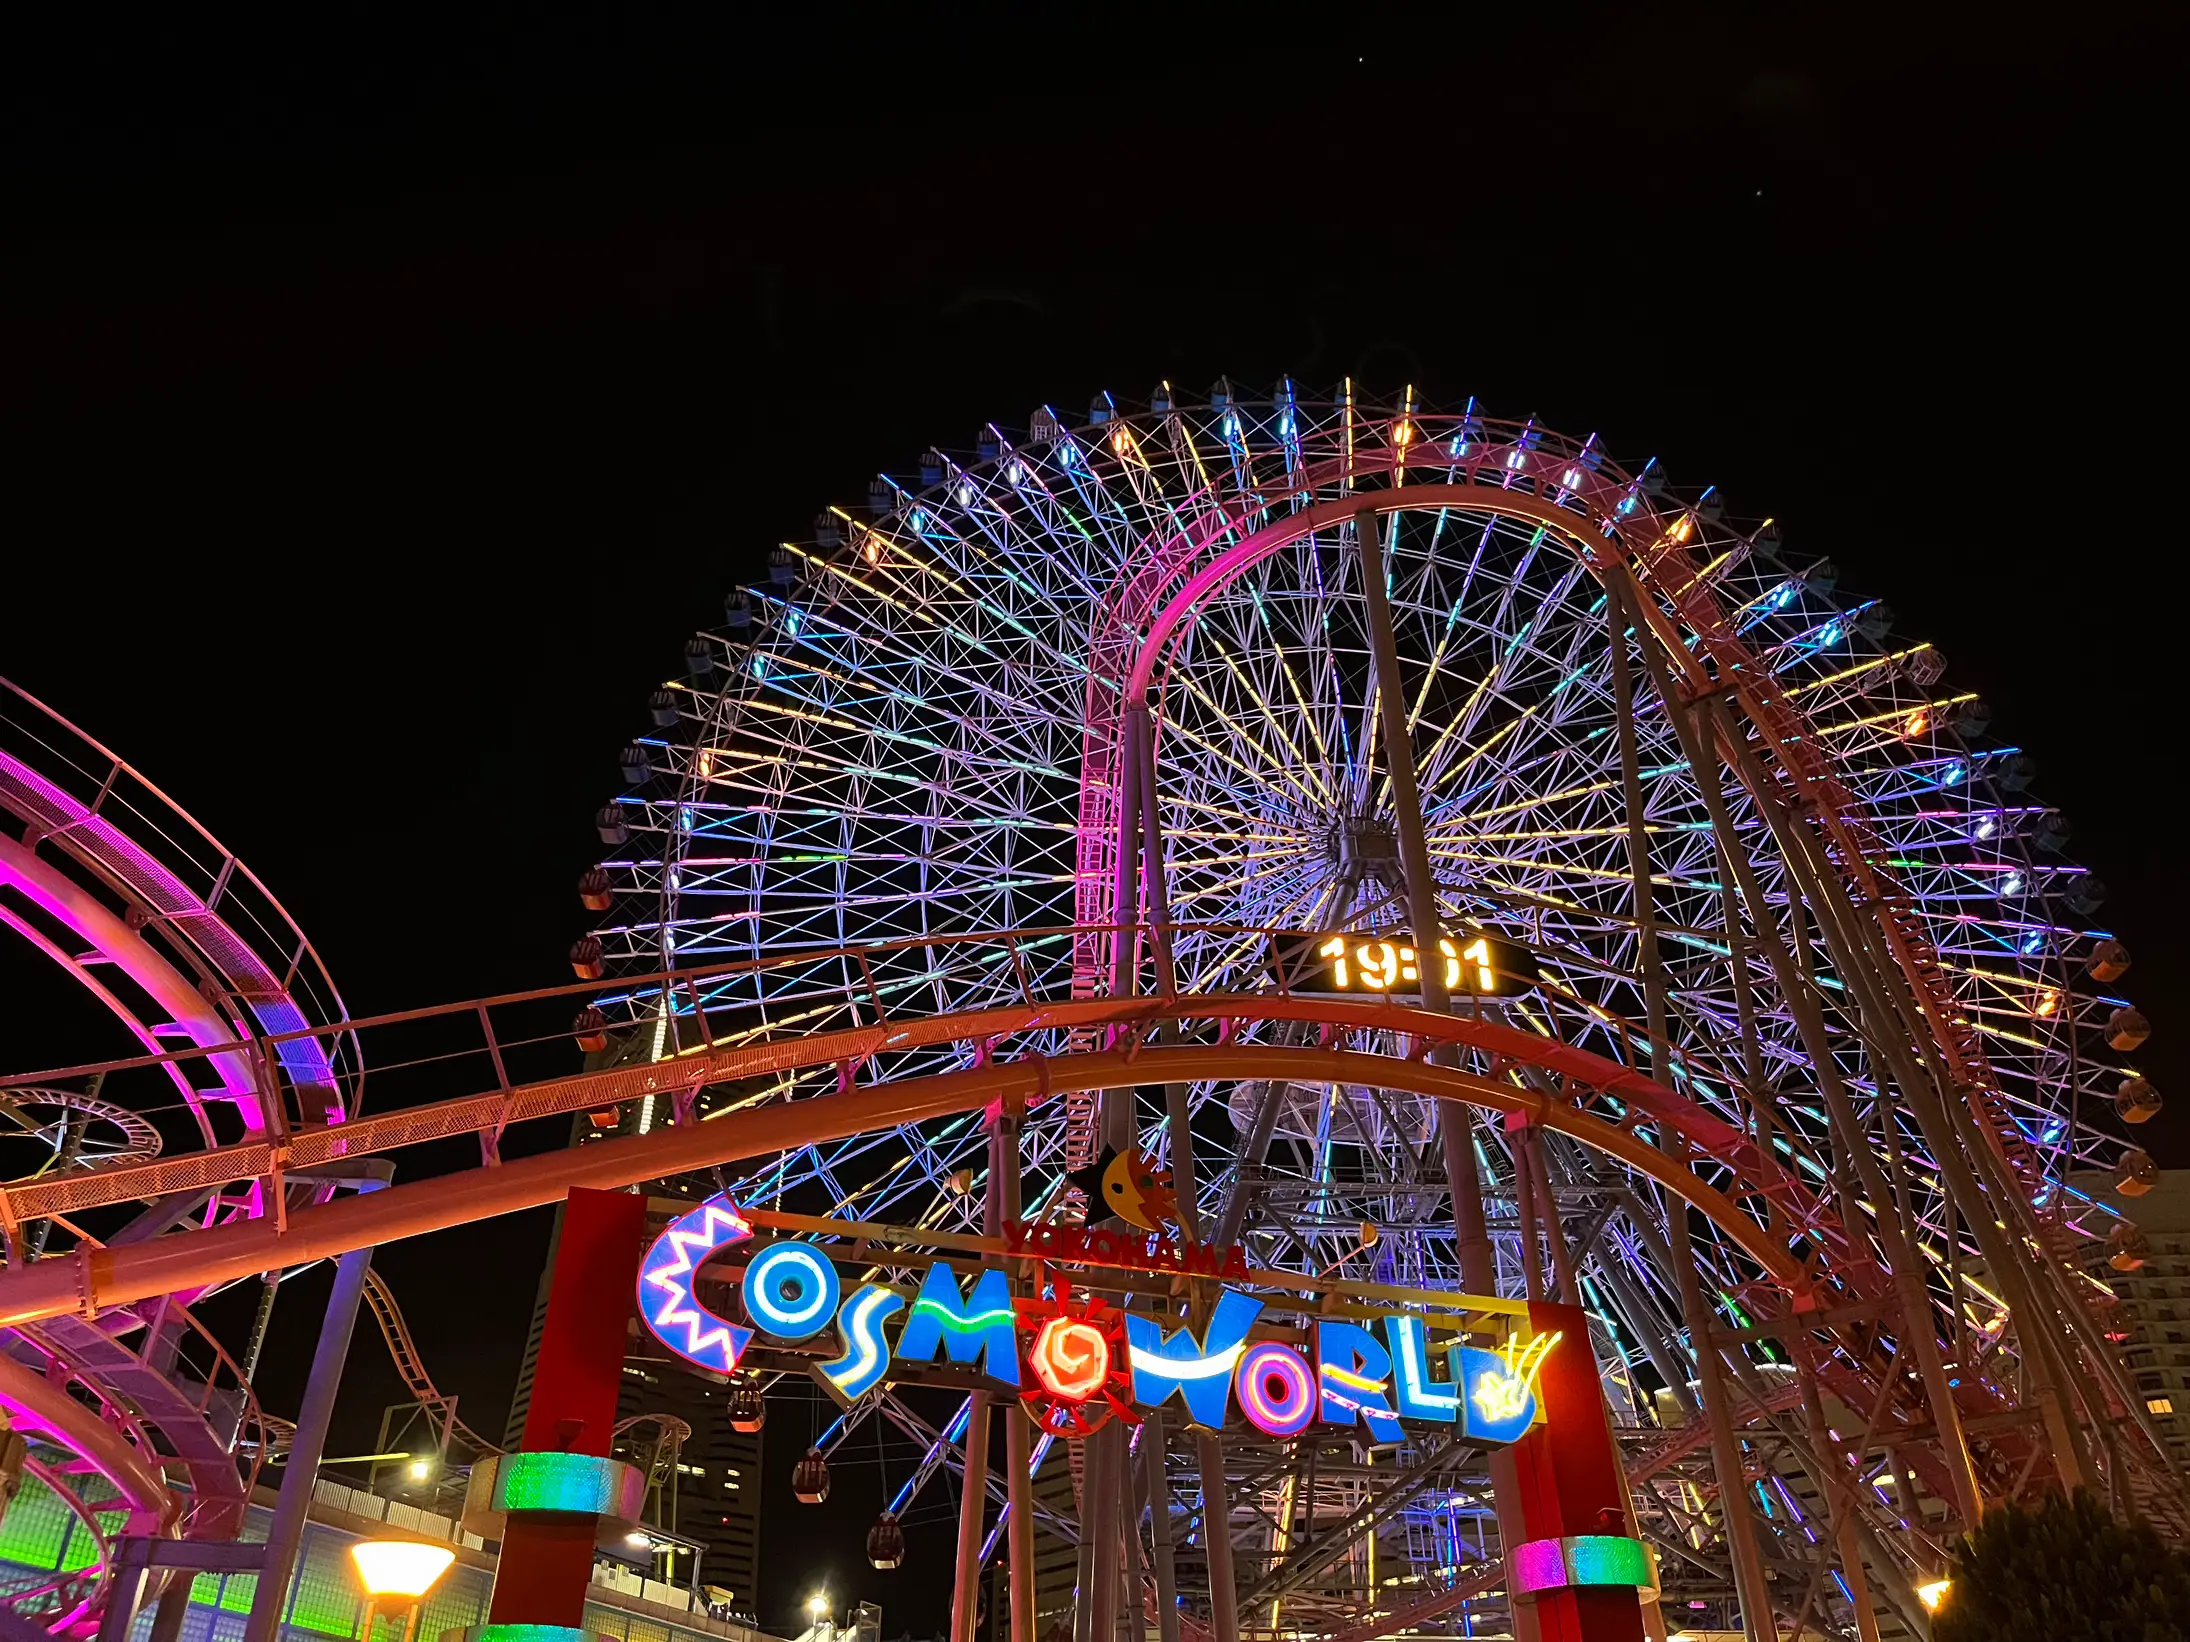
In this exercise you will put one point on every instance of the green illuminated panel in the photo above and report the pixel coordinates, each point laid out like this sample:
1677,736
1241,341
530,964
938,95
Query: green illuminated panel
1607,1559
40,1532
559,1482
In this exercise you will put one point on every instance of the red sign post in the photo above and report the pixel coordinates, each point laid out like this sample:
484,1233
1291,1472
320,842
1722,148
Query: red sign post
547,1556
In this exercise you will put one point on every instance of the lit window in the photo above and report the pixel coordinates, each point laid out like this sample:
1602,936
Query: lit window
2159,1405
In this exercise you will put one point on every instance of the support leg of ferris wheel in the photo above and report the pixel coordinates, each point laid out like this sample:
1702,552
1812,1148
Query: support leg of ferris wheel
1756,1610
1471,1231
1005,1184
1888,1030
1698,746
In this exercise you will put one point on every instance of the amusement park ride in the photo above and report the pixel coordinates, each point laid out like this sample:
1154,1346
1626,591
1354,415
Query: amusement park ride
1469,1045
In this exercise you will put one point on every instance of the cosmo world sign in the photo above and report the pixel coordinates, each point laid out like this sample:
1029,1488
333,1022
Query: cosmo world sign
1075,1359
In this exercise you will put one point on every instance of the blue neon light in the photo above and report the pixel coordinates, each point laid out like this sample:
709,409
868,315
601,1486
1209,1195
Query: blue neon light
791,1291
1200,1371
1418,1396
968,1328
866,1356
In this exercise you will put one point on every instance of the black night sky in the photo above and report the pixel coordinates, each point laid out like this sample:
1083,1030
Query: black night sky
384,405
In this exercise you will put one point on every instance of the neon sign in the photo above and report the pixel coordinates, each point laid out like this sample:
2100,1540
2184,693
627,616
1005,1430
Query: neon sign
866,1359
1504,1388
1354,1374
968,1328
1070,1358
666,1301
791,1291
1277,1389
1199,1372
1084,1363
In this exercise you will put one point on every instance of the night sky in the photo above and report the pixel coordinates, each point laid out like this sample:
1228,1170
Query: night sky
383,407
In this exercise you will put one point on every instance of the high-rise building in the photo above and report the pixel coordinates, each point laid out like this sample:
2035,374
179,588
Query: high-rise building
2156,1296
715,1502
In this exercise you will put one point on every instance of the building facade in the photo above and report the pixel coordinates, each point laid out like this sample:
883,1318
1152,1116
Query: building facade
2155,1296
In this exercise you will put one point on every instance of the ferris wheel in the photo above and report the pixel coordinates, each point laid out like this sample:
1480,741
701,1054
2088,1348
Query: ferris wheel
1739,834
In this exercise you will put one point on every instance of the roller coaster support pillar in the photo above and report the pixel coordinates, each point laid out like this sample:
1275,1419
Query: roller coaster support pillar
1157,1489
964,1606
965,1610
286,1532
547,1556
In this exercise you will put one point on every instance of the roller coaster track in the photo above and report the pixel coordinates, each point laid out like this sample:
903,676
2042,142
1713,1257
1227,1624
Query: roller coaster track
1808,1271
412,1367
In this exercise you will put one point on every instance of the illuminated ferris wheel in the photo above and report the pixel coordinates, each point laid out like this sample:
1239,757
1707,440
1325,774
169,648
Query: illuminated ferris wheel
1711,817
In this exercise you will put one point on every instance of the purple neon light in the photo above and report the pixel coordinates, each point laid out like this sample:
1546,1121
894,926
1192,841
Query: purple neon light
305,1059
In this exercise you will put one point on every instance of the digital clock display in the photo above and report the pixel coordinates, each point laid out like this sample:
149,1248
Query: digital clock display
1385,962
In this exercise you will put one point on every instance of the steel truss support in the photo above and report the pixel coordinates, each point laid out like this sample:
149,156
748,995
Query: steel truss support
1456,1123
286,1532
1749,1584
1315,1557
1140,830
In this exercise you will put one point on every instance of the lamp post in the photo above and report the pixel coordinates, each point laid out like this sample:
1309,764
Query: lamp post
395,1574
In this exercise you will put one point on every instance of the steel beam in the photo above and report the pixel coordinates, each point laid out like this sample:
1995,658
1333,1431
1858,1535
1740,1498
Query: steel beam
285,1533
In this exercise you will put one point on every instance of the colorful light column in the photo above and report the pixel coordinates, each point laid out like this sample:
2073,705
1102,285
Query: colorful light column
1572,1562
552,1491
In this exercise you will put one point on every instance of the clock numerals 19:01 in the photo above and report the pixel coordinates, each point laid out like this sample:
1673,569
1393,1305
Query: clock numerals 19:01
1385,967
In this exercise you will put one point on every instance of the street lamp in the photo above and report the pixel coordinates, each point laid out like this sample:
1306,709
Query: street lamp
1933,1592
395,1574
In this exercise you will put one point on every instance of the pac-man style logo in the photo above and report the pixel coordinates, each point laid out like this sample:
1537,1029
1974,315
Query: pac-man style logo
666,1301
1129,1186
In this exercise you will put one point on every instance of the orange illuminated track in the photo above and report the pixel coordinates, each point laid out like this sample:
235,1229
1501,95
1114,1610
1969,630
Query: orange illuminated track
1809,1273
1601,1103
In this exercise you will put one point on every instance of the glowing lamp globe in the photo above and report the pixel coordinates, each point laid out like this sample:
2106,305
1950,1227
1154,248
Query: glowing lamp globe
405,1569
